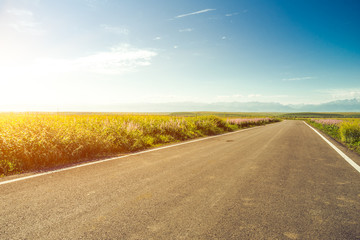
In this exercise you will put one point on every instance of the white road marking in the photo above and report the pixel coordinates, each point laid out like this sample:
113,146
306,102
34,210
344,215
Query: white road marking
349,160
115,158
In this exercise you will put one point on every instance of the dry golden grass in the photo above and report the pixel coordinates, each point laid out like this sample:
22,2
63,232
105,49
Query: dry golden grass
37,141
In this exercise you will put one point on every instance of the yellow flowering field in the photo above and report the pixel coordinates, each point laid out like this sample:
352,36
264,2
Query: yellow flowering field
39,141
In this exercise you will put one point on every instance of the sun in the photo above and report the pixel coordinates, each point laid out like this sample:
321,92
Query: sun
22,81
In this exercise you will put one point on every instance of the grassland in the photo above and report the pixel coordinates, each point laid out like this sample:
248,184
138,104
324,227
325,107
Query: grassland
319,115
227,114
31,142
36,141
344,130
272,114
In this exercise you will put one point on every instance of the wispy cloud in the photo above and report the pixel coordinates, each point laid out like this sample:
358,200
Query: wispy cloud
26,27
22,21
241,97
230,98
235,13
254,95
186,30
115,30
342,93
157,38
231,14
119,59
250,98
19,12
170,98
194,13
297,79
93,3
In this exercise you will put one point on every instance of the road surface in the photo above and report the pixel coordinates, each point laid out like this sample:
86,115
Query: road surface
280,181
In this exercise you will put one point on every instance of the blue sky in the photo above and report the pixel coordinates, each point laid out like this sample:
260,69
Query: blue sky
108,52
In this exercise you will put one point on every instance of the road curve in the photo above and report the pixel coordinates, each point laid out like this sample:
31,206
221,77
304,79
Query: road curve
280,181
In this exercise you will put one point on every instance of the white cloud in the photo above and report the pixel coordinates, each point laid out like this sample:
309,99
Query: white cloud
250,98
223,38
157,38
176,46
297,78
22,21
19,12
341,94
115,30
170,98
120,59
194,13
254,95
93,3
26,27
230,98
186,30
231,14
117,60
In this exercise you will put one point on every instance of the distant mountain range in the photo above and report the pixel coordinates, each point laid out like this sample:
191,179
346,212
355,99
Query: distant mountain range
349,105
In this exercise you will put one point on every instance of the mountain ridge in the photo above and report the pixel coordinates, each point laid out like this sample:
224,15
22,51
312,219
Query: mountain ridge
347,105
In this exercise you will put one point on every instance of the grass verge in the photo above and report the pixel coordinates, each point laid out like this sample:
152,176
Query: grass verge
346,131
30,142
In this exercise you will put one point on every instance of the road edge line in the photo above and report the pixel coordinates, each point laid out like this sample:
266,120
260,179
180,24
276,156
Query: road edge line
343,155
125,156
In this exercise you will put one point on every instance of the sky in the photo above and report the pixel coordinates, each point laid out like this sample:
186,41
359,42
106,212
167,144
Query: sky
84,52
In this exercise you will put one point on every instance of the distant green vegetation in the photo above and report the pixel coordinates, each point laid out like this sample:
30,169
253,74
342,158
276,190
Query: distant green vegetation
271,114
227,114
38,141
320,115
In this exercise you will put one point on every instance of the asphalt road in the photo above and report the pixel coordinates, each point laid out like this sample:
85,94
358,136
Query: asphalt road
280,181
